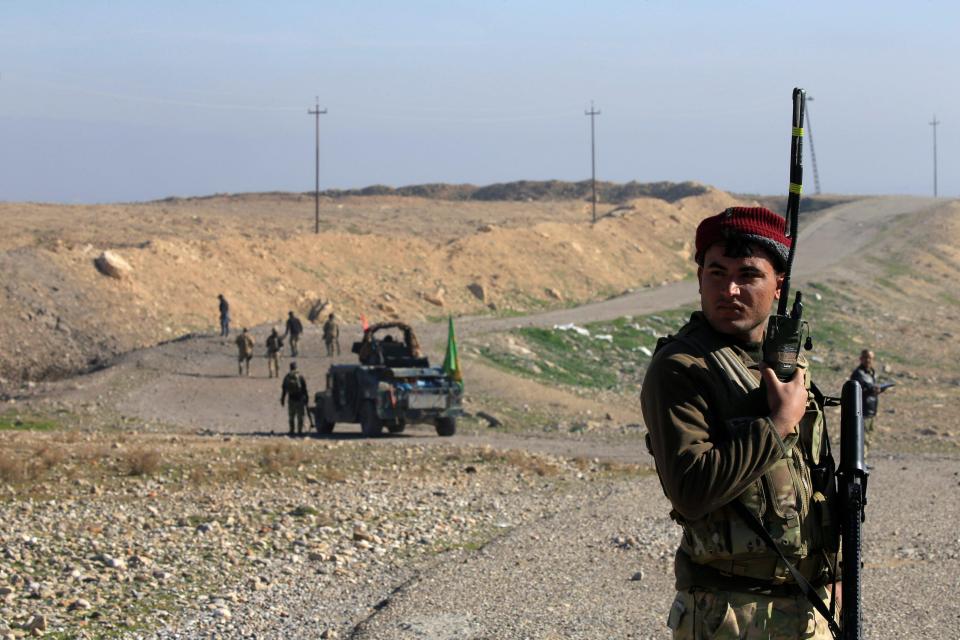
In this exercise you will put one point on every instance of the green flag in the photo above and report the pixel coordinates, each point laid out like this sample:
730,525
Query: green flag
451,362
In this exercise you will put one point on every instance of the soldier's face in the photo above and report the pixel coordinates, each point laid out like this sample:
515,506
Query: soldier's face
736,294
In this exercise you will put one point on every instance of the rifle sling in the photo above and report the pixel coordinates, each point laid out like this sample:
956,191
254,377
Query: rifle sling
805,587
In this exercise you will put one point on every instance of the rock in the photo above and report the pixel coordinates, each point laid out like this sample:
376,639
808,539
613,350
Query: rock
112,264
223,613
329,634
492,420
486,228
79,605
554,293
387,308
478,291
207,527
638,576
435,298
36,624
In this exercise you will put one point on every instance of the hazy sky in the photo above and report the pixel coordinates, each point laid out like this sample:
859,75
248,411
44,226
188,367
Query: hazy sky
112,101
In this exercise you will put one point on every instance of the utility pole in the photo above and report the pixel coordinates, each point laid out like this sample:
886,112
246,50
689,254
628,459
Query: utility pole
593,159
316,113
813,154
934,125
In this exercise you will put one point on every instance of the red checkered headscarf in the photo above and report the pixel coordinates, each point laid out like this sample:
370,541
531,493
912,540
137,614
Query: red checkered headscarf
753,224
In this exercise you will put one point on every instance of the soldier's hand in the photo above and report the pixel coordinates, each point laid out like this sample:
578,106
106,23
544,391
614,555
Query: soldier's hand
281,403
787,400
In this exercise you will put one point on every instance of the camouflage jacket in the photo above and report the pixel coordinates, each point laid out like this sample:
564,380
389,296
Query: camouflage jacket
713,442
331,330
245,344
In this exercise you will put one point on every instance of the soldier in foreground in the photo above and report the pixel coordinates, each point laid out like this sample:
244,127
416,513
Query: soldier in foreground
331,335
274,345
224,316
244,352
294,329
723,429
295,393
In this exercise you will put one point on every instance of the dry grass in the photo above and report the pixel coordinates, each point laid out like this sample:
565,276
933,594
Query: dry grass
142,461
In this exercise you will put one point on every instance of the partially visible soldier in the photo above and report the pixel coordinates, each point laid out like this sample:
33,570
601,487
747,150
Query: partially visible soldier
735,456
294,330
274,345
331,335
224,316
245,351
295,390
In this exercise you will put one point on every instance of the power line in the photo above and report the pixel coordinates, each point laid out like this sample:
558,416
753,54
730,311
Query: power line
934,125
813,155
593,159
316,113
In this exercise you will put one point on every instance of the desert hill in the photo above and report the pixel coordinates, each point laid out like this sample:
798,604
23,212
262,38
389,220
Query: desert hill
464,250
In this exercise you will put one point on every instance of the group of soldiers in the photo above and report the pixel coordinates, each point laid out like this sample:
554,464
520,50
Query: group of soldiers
294,393
274,343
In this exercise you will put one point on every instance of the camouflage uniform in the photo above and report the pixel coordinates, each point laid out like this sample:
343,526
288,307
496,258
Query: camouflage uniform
331,335
869,392
245,352
295,392
713,443
274,344
729,615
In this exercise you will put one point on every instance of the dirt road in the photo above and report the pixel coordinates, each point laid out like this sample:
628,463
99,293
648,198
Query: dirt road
192,383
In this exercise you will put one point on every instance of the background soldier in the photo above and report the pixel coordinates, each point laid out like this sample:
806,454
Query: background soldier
294,329
870,390
730,452
274,345
295,389
331,335
245,351
224,316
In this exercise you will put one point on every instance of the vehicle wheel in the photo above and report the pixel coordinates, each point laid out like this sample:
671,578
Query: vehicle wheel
396,427
446,426
370,422
325,427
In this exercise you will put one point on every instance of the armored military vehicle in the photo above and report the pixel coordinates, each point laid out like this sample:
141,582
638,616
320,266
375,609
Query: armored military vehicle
393,386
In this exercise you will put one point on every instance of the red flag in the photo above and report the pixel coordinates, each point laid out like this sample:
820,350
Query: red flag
363,322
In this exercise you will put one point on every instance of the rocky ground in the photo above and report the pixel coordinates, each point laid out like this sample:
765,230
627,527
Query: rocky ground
151,499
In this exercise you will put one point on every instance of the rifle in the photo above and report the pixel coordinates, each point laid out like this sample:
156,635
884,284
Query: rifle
784,333
887,385
852,477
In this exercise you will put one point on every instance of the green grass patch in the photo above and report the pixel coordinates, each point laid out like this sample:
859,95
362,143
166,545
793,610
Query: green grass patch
600,355
15,422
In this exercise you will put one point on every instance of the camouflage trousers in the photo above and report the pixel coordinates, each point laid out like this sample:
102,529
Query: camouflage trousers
731,615
273,364
296,411
332,345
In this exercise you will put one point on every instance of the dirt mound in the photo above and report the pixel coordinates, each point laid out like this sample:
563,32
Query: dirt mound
62,315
